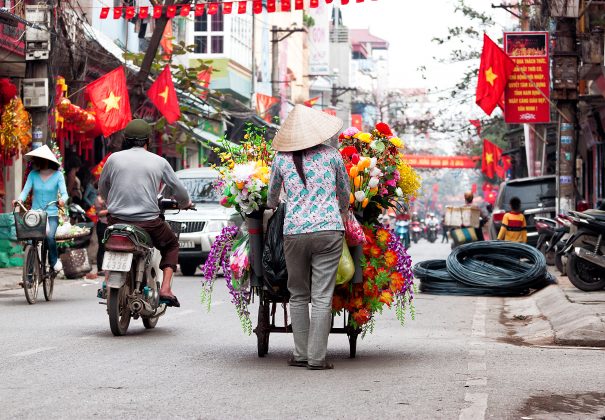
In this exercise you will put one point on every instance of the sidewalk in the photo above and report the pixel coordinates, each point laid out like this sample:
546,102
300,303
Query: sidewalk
559,314
10,278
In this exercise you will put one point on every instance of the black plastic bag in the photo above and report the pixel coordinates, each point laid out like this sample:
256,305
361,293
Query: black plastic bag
274,259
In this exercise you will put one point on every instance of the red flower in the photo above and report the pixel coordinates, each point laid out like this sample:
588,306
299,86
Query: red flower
369,273
384,129
390,258
397,282
338,303
361,317
341,137
348,151
355,158
375,251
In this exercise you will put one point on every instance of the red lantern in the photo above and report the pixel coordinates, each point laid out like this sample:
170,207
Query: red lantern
63,106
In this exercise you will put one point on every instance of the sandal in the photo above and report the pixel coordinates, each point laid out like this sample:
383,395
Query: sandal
325,366
170,301
297,363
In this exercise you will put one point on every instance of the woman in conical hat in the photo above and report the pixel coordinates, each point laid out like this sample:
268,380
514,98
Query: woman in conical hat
317,188
47,184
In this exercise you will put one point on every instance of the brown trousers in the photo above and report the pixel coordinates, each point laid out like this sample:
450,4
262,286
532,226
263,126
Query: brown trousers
162,237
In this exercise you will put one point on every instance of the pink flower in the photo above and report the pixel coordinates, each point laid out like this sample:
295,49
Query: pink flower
384,191
391,183
224,201
396,175
350,132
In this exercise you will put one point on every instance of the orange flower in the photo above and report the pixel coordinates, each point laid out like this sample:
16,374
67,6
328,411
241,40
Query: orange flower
386,297
338,303
375,251
382,236
397,282
361,317
369,272
390,257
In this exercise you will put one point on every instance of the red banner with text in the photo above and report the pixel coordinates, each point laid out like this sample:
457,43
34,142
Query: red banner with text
528,89
427,161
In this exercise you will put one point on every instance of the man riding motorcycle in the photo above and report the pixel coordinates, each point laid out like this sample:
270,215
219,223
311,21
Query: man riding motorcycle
130,184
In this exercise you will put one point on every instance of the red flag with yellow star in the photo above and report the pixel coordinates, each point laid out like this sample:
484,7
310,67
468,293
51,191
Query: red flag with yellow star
109,97
494,72
163,96
490,159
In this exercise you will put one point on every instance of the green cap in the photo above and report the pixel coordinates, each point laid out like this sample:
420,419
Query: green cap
137,129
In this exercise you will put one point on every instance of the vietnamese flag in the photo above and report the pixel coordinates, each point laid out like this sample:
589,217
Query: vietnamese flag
311,102
204,78
109,97
163,96
490,158
357,121
264,103
494,72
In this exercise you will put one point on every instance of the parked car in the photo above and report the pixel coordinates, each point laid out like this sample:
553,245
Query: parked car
538,198
200,228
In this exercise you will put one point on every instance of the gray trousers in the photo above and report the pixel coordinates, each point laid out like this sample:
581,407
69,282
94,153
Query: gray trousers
312,260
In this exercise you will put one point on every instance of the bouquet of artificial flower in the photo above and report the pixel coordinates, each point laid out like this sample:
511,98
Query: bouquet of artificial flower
376,167
245,171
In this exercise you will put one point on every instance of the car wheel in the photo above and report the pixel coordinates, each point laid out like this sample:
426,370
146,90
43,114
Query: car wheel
188,268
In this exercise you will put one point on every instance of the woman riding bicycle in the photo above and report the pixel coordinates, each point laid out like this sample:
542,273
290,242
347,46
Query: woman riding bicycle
47,184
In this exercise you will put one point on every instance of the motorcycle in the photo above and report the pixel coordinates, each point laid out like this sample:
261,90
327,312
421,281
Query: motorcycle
431,235
416,232
402,229
585,250
132,266
546,230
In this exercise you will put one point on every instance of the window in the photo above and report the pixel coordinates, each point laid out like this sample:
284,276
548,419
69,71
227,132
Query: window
208,34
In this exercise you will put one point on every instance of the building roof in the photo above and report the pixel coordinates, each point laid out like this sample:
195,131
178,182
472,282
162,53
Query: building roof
363,36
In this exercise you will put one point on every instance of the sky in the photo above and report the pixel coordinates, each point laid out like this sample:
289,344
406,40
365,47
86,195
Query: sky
409,26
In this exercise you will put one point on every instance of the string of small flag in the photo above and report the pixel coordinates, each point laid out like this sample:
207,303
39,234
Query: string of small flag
212,8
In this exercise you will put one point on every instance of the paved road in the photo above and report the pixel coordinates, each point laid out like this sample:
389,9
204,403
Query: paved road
59,360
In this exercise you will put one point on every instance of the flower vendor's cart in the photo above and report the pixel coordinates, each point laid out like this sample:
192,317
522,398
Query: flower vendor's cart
380,179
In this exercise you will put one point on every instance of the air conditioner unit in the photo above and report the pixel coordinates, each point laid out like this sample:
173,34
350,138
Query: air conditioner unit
35,92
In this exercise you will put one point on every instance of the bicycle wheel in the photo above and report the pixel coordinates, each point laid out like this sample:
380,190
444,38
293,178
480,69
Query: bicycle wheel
48,276
31,274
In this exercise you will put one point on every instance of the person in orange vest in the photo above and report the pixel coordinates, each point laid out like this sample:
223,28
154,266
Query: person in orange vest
514,226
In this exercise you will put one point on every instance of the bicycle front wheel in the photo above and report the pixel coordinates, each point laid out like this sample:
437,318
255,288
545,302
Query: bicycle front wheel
48,276
31,274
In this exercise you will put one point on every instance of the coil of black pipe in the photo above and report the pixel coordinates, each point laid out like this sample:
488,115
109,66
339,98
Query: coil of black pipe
486,268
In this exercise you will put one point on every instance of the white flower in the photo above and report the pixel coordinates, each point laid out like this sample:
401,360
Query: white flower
375,172
360,196
242,172
373,162
399,192
373,182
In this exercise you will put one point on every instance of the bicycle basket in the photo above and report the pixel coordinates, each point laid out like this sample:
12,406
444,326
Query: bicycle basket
31,225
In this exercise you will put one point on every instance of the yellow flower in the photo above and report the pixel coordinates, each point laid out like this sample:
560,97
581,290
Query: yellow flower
364,137
247,136
396,141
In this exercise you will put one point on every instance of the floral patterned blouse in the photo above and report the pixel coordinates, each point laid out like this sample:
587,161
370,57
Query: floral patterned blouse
319,206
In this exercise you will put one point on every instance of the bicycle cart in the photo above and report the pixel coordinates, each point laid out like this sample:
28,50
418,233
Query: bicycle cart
269,301
30,226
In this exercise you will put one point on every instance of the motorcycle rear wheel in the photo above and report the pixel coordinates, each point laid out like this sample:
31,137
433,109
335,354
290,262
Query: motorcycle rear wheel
150,323
584,275
548,255
118,310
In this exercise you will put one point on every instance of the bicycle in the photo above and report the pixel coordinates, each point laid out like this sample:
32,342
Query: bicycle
31,229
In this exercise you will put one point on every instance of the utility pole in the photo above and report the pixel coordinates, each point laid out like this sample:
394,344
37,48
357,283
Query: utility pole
275,40
565,91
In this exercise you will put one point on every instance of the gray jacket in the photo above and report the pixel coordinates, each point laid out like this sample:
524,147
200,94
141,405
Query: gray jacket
131,181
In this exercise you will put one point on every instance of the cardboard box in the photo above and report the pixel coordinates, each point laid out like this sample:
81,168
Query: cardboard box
462,216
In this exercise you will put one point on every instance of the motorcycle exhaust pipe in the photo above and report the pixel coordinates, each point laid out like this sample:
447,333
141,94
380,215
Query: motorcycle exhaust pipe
141,307
136,306
591,257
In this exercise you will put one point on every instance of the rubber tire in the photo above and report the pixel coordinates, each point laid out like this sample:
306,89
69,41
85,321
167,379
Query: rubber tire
150,323
262,329
549,256
118,324
415,239
31,261
188,269
575,278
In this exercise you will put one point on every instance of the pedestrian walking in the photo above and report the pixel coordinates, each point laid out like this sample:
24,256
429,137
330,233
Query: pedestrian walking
514,225
46,183
317,190
444,230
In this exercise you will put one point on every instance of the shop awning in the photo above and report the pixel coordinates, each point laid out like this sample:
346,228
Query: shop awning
204,137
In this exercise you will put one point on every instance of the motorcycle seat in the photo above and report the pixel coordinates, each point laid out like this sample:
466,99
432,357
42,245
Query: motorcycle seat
597,214
140,234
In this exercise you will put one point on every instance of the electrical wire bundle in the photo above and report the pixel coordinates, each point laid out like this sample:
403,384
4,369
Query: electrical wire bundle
485,268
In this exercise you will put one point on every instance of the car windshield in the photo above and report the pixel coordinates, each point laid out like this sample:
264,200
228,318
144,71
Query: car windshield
531,195
201,190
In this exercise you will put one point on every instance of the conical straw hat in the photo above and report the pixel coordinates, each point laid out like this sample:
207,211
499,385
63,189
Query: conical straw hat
305,127
42,152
